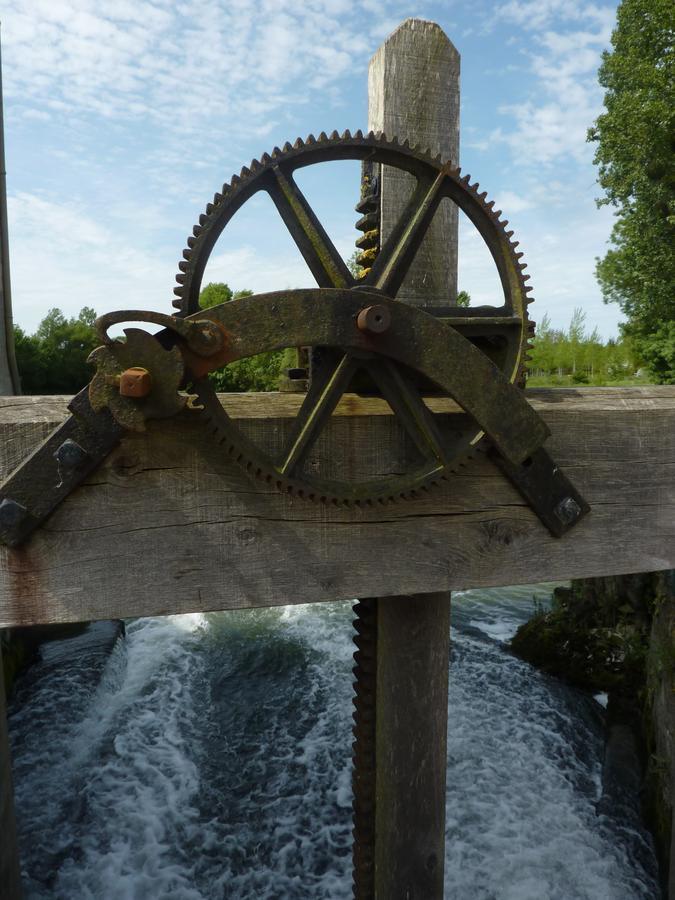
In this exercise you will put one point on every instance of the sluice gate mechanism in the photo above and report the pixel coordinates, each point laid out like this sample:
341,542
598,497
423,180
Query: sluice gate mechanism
353,326
358,337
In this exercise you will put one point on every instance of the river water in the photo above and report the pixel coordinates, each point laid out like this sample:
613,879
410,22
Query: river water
208,757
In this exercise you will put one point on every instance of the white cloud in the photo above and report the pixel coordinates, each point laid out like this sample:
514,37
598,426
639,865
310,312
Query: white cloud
564,96
536,14
61,256
180,66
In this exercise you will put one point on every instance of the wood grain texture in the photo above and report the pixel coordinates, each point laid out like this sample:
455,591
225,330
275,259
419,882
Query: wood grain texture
413,646
413,94
169,524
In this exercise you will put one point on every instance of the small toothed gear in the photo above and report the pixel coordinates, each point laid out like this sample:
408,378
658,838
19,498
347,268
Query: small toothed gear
501,332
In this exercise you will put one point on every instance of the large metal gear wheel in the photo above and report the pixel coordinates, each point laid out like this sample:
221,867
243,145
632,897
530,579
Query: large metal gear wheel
501,332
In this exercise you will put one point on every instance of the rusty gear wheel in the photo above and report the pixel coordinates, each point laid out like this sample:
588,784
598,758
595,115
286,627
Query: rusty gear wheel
501,332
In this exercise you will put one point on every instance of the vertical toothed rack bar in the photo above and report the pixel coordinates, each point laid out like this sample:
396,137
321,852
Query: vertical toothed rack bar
403,643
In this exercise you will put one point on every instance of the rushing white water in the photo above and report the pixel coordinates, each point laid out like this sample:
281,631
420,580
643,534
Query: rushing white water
208,757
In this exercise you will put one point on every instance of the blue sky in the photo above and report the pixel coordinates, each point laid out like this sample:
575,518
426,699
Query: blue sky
123,118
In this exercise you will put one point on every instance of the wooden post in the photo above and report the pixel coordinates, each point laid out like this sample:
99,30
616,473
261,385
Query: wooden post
414,95
413,645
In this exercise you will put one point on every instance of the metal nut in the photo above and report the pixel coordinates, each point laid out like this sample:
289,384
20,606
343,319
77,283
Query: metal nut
374,319
135,382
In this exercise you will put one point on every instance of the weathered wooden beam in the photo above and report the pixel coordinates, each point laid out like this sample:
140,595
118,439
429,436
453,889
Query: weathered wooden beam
413,95
411,737
168,524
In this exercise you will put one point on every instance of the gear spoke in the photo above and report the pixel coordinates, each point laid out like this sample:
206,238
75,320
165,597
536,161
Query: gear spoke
323,396
409,408
395,258
318,251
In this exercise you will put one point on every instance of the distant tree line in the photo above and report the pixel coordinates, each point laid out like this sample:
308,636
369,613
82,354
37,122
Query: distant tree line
574,356
54,359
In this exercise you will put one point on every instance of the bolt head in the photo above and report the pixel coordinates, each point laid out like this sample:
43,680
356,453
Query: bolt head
11,513
70,454
568,510
374,319
135,382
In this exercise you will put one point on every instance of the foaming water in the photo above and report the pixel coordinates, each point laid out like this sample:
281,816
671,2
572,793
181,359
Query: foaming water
208,757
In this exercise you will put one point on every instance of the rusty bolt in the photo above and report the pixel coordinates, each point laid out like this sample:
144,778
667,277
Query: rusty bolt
374,319
135,382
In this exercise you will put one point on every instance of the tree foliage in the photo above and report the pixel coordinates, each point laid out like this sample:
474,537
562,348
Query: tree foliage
257,373
575,356
635,153
54,359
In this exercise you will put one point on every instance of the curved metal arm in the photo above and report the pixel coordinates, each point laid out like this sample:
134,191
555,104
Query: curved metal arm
202,336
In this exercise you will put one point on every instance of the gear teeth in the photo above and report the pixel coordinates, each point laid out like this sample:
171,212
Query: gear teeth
367,243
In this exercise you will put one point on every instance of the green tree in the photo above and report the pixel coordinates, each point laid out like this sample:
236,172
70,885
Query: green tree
635,153
217,292
54,359
256,373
